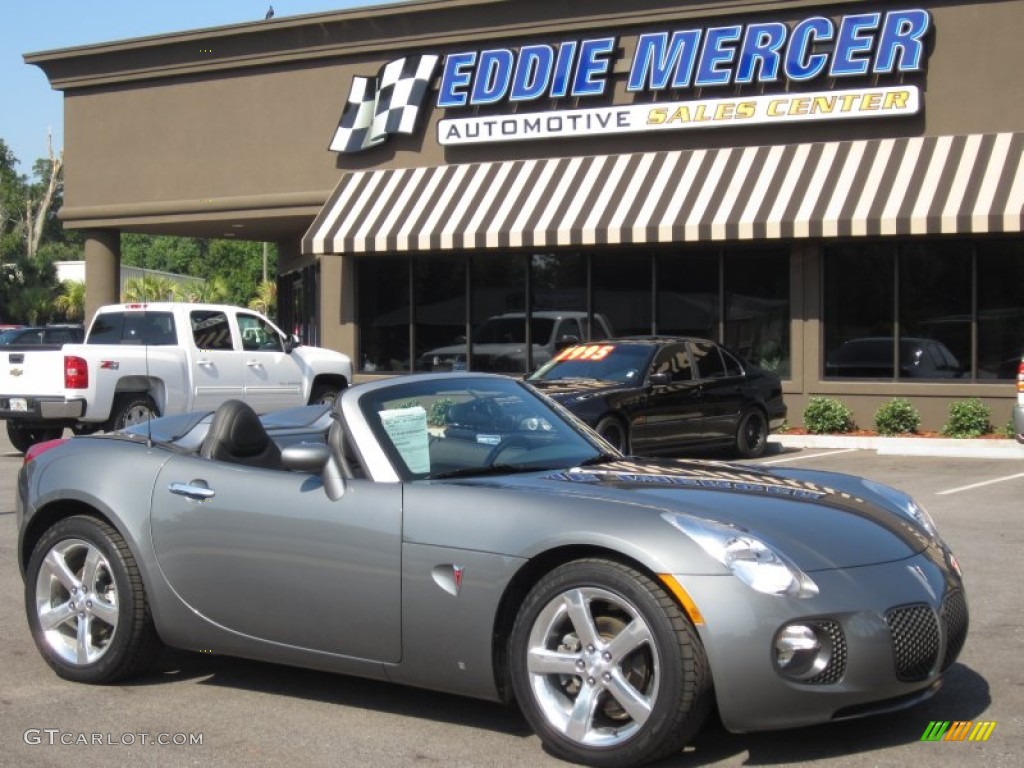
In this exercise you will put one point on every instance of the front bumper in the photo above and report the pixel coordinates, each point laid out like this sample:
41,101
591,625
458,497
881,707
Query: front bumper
1018,422
895,629
40,409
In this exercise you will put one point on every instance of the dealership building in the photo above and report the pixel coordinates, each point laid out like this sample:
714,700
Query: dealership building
833,189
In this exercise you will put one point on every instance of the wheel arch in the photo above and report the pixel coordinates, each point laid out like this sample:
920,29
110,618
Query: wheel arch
526,578
154,388
330,379
53,512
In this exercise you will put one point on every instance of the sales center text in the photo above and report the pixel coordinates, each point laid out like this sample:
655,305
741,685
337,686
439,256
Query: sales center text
722,111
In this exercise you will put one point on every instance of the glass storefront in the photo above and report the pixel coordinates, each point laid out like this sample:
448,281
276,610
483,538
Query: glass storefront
928,310
470,312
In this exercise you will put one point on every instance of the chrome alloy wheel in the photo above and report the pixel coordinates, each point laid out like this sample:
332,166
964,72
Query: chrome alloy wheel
593,666
77,601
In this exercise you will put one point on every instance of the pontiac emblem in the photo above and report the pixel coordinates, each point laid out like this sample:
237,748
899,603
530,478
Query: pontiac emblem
448,577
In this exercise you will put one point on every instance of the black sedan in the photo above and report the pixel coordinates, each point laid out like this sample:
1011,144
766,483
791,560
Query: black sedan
653,395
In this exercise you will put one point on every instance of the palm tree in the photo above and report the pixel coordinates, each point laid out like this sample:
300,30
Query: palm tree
148,288
265,300
71,301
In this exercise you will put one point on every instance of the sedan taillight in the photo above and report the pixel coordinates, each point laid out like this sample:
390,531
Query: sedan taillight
1020,378
76,372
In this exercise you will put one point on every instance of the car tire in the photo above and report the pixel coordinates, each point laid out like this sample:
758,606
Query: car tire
131,409
23,437
324,394
591,701
86,603
752,434
612,429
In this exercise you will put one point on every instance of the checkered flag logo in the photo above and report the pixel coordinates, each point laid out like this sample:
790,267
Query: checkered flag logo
380,106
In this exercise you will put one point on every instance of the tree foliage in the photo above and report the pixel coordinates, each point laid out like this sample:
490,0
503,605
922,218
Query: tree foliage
32,238
233,269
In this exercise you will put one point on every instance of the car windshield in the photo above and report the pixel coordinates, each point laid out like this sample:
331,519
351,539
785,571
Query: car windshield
432,429
512,330
626,363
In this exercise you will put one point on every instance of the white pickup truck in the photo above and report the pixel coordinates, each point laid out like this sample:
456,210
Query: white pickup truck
140,361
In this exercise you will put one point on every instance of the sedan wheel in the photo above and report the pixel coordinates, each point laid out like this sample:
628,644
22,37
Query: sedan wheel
606,667
86,605
615,432
752,434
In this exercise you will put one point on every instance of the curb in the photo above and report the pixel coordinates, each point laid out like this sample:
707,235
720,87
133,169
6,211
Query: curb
909,446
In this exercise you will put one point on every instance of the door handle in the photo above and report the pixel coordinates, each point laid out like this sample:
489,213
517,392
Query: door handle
204,363
197,490
254,364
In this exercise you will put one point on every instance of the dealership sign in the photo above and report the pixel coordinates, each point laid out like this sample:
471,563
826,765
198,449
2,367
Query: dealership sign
769,56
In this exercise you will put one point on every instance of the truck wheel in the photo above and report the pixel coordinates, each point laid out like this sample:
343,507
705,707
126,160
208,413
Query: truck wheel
131,409
23,437
323,394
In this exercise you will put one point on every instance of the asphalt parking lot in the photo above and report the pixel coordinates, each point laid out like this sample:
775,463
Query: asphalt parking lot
252,714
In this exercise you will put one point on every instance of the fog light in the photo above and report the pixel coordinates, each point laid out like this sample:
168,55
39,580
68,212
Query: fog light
801,652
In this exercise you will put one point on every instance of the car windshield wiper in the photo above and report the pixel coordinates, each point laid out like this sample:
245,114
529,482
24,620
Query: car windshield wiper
494,469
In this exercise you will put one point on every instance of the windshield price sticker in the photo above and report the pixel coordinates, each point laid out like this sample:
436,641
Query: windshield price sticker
585,352
407,429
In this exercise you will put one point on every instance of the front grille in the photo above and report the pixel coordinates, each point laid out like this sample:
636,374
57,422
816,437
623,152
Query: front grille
836,667
954,624
915,640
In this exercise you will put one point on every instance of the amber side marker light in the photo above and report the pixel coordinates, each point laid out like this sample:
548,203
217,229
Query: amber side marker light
683,597
37,450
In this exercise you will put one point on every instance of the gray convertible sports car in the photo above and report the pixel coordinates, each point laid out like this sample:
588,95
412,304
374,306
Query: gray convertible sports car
462,532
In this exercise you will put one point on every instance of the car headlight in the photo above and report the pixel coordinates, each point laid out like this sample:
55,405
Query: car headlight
748,558
907,507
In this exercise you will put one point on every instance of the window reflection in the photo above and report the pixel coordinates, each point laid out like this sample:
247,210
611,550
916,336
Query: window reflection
936,332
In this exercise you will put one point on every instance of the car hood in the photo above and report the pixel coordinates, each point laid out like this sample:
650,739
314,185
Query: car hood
479,349
569,390
819,520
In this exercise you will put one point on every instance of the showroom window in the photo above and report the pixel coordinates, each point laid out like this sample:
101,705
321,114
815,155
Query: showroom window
471,312
756,294
924,310
384,315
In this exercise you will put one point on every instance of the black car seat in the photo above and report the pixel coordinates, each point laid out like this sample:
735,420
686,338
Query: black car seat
237,436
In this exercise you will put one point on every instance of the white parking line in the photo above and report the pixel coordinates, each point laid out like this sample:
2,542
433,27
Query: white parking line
979,485
802,456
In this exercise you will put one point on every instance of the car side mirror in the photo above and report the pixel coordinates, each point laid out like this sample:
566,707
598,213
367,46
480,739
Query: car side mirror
291,342
305,457
659,379
567,340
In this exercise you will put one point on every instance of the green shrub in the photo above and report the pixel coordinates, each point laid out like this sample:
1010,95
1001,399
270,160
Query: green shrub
897,417
438,415
968,418
824,415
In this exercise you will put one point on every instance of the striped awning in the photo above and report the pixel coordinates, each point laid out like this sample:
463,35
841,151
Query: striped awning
909,186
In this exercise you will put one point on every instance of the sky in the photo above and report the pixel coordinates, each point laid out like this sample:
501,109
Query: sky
29,107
